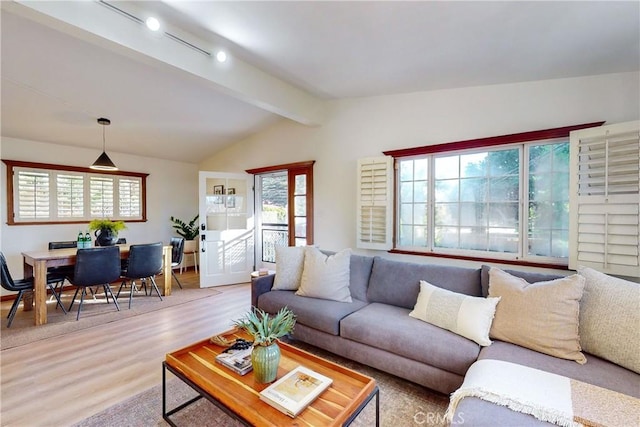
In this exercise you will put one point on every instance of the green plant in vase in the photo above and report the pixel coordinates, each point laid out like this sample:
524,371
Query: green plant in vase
265,330
188,230
106,231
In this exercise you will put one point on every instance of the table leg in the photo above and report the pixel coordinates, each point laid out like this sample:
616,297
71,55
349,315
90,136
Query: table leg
167,269
40,292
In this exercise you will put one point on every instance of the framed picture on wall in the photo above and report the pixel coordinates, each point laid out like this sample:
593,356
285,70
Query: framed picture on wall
231,198
218,190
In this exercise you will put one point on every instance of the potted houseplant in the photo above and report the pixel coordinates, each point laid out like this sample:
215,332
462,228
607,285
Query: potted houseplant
265,330
188,230
106,231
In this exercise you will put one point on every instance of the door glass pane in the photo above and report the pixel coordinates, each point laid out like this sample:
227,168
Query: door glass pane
274,213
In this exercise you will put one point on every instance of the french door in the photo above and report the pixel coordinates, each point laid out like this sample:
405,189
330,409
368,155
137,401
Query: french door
226,228
284,209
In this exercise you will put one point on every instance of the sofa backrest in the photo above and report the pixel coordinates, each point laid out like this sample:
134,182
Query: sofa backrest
360,272
398,283
526,275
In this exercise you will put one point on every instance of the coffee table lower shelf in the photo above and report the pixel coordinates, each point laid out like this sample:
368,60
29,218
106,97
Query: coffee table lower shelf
203,394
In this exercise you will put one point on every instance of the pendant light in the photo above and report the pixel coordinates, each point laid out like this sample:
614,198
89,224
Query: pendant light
104,162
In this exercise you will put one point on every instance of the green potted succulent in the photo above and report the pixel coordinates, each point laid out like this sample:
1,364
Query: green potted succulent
106,231
265,330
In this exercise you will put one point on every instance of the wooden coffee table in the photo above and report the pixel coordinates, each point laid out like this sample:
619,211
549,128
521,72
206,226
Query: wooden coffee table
238,396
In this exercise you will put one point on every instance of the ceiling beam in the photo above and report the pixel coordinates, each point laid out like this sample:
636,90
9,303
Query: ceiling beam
102,26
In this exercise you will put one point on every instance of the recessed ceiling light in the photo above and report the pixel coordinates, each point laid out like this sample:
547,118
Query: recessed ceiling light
221,56
152,23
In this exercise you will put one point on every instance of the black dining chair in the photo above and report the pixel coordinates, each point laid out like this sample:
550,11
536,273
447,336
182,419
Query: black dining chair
145,261
177,254
95,267
60,273
21,286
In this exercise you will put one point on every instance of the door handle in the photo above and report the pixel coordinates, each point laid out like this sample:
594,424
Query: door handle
202,238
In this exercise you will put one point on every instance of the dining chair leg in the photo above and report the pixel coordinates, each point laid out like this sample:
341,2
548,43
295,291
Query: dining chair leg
57,296
173,273
14,308
122,285
133,288
107,288
73,299
84,291
153,282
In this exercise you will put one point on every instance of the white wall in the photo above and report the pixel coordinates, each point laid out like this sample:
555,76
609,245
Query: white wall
367,126
172,189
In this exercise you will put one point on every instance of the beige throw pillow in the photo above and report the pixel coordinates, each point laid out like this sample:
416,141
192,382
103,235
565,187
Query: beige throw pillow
464,315
542,316
610,318
289,263
326,277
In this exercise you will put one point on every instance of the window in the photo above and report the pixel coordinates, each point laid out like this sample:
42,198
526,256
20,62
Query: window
44,193
503,198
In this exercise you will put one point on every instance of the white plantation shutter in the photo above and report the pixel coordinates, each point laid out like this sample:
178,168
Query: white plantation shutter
129,200
70,195
605,199
101,189
32,196
375,203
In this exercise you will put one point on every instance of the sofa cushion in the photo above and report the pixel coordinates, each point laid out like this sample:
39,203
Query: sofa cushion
597,371
360,271
326,276
610,318
289,263
320,314
390,328
529,276
462,314
398,283
542,316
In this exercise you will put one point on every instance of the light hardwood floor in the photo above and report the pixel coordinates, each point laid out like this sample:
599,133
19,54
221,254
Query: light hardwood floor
60,381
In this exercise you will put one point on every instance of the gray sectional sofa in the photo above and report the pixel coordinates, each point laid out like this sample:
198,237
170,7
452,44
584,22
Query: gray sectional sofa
376,329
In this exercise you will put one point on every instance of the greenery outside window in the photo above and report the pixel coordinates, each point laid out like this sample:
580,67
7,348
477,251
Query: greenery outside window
504,200
39,193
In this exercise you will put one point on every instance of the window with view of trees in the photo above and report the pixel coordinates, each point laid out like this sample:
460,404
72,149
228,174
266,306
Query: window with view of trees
504,198
44,193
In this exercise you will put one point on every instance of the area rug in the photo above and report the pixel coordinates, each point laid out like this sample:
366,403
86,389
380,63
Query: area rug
402,403
95,311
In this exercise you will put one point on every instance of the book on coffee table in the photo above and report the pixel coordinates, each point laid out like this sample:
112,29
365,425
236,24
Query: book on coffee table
238,361
295,391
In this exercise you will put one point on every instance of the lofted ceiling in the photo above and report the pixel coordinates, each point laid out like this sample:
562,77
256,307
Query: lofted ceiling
64,64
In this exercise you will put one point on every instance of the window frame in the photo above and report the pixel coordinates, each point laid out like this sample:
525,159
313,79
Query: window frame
471,146
12,165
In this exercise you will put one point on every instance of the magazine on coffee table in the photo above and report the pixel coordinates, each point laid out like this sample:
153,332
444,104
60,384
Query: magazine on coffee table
238,361
292,393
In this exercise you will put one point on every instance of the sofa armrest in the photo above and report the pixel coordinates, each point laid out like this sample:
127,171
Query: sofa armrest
259,286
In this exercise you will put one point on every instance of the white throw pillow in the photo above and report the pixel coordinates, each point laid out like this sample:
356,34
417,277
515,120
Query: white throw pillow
610,318
326,277
464,315
289,263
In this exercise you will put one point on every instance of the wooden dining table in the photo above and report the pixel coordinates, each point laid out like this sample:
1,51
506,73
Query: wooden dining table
36,263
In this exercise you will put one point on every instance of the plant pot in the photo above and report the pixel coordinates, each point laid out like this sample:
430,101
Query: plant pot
265,360
105,237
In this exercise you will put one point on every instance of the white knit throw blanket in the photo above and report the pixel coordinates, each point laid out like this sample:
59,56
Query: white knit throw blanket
546,396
